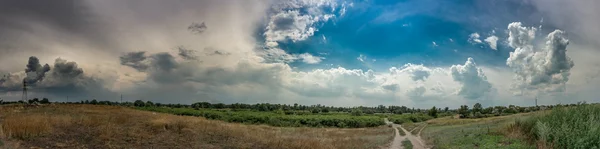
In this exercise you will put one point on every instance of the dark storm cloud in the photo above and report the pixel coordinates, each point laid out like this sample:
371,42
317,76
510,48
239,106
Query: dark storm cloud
67,17
187,53
164,61
65,78
35,71
197,28
135,60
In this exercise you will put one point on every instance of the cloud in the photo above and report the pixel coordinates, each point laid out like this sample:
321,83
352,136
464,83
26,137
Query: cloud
544,68
197,28
135,60
473,80
474,38
492,41
189,54
63,79
35,71
361,58
310,59
416,72
416,92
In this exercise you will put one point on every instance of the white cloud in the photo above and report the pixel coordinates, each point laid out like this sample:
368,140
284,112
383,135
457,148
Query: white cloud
361,58
310,59
543,68
434,44
474,82
492,41
416,72
474,38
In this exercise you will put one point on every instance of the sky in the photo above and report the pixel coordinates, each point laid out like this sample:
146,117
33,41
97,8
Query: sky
416,53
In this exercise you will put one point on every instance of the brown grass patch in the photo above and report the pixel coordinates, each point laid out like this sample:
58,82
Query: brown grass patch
89,126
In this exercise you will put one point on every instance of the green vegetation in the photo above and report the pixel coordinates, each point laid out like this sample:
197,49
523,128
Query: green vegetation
342,120
406,118
406,144
471,133
402,133
572,127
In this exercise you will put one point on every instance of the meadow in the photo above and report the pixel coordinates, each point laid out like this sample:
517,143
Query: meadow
280,119
566,127
100,126
449,132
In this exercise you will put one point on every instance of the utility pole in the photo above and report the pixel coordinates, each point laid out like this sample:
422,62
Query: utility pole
536,101
67,99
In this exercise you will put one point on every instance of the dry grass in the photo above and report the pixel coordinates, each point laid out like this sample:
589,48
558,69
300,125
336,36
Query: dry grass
88,126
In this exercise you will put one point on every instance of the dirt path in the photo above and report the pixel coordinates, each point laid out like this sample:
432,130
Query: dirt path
416,141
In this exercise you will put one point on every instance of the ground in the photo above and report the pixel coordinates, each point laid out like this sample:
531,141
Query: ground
93,126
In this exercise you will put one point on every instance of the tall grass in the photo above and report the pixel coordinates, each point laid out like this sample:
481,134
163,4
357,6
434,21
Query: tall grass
572,127
409,118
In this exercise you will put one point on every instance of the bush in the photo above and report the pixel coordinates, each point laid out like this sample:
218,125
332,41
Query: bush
275,119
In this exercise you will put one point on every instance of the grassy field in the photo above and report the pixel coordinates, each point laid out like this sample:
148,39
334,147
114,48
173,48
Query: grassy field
92,126
571,127
408,118
489,133
340,120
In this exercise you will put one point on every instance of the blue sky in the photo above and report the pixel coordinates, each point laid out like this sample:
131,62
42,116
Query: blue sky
399,32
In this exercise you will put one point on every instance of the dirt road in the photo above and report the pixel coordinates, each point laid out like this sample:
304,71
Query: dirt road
416,141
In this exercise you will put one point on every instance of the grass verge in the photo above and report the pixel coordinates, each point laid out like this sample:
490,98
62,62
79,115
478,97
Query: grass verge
572,127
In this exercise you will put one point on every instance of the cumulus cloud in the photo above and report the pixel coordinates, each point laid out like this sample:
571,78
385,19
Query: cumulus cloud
63,79
474,38
189,54
474,82
492,41
544,68
416,92
310,59
416,72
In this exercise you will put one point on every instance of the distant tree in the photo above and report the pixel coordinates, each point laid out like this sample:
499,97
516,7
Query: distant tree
45,101
433,112
315,110
463,111
446,109
325,110
139,103
149,104
356,112
94,102
477,107
488,110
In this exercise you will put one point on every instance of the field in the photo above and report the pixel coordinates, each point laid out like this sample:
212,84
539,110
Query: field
449,132
572,127
340,120
95,126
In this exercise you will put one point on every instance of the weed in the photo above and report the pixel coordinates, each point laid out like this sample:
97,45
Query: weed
407,144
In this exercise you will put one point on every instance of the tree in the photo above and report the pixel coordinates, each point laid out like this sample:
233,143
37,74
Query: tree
149,104
463,111
94,102
139,103
356,112
446,109
45,101
477,108
433,112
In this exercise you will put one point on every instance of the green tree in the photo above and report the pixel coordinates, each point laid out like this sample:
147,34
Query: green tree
139,103
477,108
94,102
45,101
356,112
433,112
463,111
446,109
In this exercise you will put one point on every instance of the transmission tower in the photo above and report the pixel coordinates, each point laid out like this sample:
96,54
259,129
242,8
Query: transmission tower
24,96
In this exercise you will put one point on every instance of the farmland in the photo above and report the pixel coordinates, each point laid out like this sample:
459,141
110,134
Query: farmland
100,126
